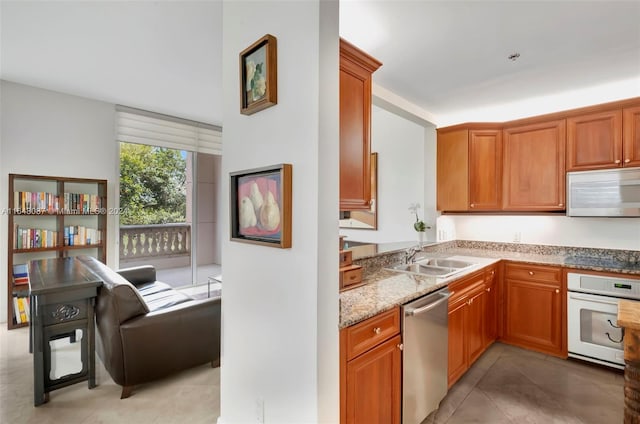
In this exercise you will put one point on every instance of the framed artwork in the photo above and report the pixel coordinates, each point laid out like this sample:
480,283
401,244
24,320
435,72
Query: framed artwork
260,205
259,76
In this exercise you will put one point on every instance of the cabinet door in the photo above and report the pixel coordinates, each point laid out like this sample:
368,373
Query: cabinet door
356,68
374,385
594,141
485,170
474,324
491,308
534,167
533,315
631,122
453,170
457,357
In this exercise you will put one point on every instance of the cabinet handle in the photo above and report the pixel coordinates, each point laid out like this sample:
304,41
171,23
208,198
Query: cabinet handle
561,204
400,346
473,206
627,160
616,161
557,291
530,272
377,330
488,289
493,272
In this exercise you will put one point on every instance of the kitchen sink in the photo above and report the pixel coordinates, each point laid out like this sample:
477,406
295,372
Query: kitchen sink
447,263
434,267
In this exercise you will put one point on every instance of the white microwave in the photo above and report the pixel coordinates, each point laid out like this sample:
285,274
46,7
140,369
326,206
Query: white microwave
607,192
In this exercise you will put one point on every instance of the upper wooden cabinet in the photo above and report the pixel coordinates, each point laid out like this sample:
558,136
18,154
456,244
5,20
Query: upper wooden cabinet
356,68
469,169
534,167
594,141
604,140
631,136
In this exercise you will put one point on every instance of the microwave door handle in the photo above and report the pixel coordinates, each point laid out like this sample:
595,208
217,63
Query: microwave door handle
596,299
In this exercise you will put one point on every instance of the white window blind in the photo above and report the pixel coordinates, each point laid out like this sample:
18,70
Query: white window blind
142,127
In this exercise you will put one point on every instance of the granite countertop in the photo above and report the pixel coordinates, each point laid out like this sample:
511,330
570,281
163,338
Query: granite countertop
386,289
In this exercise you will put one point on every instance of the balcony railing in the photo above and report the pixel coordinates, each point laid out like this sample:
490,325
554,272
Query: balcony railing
162,245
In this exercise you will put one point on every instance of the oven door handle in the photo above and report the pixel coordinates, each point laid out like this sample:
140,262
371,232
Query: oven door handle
597,299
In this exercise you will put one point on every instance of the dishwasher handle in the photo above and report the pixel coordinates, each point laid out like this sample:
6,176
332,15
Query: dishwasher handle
427,307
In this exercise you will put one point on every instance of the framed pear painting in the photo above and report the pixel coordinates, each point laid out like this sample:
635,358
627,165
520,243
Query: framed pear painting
260,206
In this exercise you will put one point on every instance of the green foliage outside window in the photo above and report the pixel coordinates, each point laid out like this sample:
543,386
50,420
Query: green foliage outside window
152,185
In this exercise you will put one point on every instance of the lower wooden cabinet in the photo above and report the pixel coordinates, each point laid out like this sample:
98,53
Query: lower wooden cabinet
472,321
535,308
371,371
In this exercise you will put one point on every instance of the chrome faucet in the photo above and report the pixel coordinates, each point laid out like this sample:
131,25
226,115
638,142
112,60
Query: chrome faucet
410,254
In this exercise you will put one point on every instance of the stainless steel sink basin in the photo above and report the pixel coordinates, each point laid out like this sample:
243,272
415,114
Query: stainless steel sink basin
447,263
434,267
416,268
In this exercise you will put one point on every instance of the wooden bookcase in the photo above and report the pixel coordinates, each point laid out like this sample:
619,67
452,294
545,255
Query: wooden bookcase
39,209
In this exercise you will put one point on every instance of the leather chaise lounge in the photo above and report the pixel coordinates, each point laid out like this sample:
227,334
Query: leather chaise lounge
147,330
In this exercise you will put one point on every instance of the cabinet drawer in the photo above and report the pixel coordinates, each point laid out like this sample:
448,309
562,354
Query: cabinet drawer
515,271
350,275
64,312
345,257
367,334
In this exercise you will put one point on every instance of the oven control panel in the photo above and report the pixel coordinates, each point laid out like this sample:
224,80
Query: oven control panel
609,286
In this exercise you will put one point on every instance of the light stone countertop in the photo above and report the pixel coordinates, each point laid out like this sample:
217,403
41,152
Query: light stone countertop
386,289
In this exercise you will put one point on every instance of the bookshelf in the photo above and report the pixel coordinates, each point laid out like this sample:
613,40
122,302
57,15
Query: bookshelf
50,217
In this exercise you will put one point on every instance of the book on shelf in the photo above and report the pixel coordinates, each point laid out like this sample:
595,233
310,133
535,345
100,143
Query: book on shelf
82,202
21,311
20,274
79,235
32,238
29,202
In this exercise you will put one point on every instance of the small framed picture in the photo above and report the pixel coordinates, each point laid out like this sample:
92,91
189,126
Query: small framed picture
260,205
259,76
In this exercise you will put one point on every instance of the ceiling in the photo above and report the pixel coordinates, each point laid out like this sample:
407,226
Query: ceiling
446,57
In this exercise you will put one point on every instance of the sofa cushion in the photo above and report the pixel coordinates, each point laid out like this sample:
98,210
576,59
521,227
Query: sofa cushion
158,295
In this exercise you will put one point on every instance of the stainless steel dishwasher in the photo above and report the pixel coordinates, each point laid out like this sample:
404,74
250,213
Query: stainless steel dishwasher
425,355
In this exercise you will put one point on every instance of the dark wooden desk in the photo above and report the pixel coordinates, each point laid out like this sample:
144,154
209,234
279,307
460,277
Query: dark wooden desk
63,293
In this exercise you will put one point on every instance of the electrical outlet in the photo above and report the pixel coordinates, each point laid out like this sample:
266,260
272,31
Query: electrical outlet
516,237
260,410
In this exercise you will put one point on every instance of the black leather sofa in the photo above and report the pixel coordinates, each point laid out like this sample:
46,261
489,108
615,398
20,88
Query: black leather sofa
147,330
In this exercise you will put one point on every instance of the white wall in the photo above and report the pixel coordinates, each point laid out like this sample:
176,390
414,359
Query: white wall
402,170
280,310
606,233
49,133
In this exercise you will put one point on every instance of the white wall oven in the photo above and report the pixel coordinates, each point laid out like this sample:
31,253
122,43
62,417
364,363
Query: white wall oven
592,313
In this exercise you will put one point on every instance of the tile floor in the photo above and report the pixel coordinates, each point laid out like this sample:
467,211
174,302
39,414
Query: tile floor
512,385
506,385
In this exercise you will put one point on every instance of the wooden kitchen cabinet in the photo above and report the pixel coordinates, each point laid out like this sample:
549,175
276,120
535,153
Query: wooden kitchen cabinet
491,305
466,321
604,140
631,136
356,68
371,370
469,168
534,167
535,308
594,141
